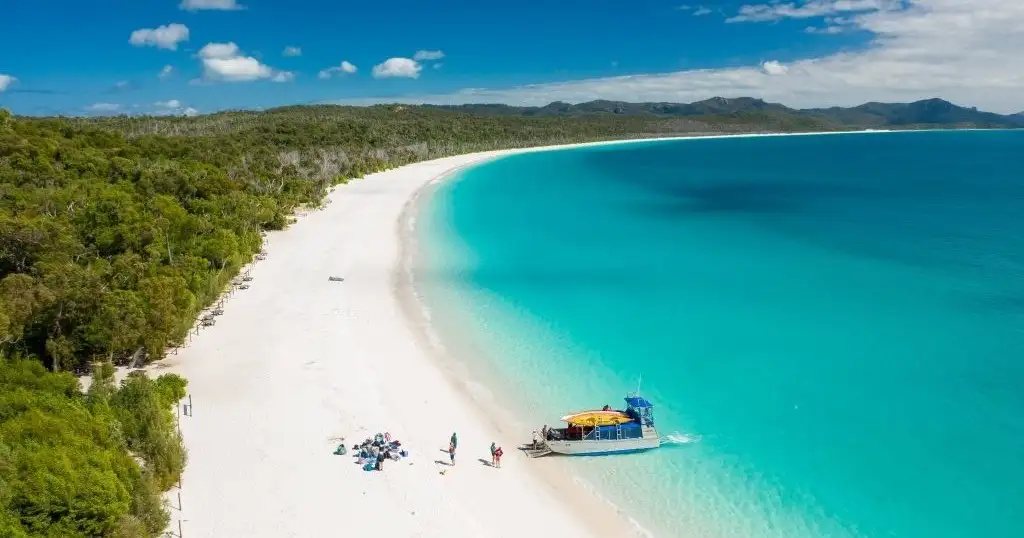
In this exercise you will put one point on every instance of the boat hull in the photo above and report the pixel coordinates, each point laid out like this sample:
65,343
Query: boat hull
603,447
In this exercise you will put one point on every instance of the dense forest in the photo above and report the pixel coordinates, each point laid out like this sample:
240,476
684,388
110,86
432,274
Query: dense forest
116,232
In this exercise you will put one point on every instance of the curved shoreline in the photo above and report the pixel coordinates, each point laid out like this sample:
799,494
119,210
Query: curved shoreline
297,362
575,499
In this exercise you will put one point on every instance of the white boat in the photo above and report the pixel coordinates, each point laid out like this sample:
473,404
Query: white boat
601,432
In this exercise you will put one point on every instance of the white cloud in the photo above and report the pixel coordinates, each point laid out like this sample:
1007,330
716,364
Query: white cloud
344,68
968,53
698,11
438,65
774,68
122,84
167,71
292,51
833,25
812,8
172,107
162,37
6,81
236,69
104,107
422,55
827,30
397,67
226,62
221,5
219,50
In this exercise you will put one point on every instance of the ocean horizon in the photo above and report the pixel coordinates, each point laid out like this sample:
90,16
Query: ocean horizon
830,327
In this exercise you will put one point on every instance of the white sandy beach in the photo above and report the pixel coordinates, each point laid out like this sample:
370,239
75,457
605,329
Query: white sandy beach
296,361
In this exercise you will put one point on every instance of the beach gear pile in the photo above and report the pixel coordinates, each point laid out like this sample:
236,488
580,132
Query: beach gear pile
372,453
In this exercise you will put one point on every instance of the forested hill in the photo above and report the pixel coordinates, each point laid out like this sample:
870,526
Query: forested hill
928,113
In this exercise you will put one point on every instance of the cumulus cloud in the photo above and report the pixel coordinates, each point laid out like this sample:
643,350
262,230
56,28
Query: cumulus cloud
344,68
221,5
166,72
6,81
774,68
422,55
292,51
701,11
173,107
397,67
162,37
219,50
968,53
225,62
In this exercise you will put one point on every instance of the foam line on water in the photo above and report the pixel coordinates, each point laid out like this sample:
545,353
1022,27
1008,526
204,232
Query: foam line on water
680,438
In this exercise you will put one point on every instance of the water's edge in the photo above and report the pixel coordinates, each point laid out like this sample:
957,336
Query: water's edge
476,388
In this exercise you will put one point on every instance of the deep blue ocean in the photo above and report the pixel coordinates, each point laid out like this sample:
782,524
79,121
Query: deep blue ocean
832,326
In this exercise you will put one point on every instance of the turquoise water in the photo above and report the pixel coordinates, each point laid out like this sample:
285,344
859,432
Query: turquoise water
832,327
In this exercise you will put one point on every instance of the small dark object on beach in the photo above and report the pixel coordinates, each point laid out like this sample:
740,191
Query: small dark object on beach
335,279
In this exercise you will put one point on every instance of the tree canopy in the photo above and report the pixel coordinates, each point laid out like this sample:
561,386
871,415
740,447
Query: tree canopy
74,464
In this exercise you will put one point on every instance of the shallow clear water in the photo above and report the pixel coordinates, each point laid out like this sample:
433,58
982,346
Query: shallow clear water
832,326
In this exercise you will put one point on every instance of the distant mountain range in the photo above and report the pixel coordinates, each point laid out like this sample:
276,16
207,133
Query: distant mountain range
919,114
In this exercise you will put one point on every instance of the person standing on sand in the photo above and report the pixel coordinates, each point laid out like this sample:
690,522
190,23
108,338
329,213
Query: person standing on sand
497,457
451,453
454,441
494,462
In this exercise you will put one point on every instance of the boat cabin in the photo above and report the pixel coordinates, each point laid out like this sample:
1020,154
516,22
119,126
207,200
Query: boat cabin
606,424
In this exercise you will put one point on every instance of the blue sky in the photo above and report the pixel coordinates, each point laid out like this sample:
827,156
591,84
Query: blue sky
73,57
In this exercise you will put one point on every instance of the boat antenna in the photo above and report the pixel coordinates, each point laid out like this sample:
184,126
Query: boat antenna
638,381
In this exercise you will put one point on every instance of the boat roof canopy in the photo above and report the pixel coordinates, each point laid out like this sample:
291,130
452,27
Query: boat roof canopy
597,418
638,402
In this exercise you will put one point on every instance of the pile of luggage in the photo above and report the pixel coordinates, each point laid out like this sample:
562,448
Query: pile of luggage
372,453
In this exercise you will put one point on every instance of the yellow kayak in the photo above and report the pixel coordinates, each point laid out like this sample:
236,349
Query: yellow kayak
597,418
